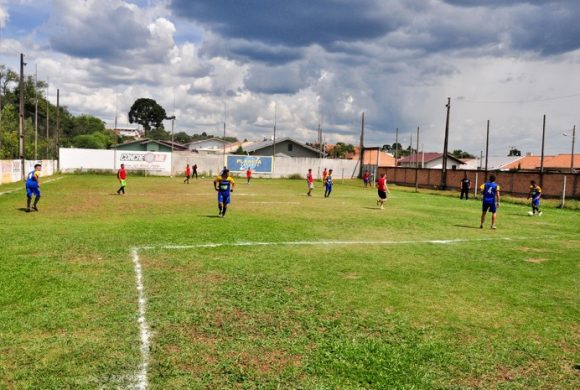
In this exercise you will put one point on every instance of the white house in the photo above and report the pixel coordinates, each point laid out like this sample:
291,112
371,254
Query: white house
212,145
430,160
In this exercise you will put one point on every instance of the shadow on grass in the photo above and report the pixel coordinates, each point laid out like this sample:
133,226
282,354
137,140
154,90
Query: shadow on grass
212,216
371,208
467,226
24,209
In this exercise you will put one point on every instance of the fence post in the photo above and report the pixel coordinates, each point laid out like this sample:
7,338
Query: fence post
475,189
563,193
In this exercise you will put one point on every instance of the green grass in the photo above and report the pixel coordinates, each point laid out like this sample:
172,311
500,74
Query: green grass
496,309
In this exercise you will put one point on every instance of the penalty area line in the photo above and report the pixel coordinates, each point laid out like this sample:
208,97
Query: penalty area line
144,332
20,188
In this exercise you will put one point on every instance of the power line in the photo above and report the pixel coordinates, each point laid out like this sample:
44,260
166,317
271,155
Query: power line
467,100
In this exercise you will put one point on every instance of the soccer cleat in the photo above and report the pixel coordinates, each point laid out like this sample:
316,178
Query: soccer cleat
493,227
378,201
34,208
382,207
481,226
540,214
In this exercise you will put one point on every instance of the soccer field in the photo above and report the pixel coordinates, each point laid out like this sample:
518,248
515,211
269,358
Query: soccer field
152,289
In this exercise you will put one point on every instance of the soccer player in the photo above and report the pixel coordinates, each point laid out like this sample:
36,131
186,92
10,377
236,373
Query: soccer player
194,171
383,189
187,174
491,197
249,175
366,178
465,186
328,184
535,193
224,185
324,174
122,177
310,182
33,187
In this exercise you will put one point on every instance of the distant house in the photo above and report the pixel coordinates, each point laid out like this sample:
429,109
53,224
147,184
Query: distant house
210,145
129,133
430,160
372,156
494,163
285,147
561,163
150,145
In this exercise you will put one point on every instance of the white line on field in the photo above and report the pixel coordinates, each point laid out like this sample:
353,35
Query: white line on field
274,202
322,243
20,188
142,321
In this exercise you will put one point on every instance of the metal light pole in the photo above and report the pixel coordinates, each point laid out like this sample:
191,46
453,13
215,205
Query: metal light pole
36,112
445,143
21,117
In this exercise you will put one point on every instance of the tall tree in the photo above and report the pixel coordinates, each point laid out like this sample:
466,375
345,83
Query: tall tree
148,113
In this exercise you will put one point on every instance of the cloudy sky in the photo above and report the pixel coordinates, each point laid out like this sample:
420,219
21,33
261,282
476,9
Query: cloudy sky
327,61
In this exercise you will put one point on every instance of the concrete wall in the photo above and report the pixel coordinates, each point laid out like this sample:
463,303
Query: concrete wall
283,166
11,170
511,182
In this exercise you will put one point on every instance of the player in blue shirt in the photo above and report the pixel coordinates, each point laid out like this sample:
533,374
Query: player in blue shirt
224,185
328,184
491,197
33,187
535,193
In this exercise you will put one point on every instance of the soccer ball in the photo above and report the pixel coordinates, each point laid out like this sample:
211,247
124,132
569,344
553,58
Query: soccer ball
530,213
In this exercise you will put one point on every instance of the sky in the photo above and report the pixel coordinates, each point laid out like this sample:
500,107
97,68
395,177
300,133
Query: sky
301,63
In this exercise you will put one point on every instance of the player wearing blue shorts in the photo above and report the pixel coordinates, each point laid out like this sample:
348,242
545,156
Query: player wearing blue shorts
33,187
490,191
535,193
328,184
224,185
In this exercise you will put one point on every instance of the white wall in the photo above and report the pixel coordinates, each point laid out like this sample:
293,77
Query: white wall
11,170
85,159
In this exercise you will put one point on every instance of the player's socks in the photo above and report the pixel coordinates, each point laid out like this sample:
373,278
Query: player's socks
220,209
35,203
28,204
224,211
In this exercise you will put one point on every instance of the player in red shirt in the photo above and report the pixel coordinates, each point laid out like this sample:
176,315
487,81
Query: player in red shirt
249,175
383,189
187,174
122,177
310,181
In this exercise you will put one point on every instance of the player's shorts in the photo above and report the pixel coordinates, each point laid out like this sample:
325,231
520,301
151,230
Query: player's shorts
329,187
32,189
366,181
310,186
382,194
123,183
536,202
224,197
489,206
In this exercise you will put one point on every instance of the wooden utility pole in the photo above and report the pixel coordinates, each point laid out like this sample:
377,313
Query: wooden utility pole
274,139
36,112
445,143
57,152
21,117
543,139
396,145
362,143
573,140
486,149
47,122
417,163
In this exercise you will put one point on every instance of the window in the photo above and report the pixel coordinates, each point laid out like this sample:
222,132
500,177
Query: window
290,147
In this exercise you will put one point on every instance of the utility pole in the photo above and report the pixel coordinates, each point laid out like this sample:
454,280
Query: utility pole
36,112
21,117
225,116
573,140
274,139
445,143
47,122
117,110
543,138
486,149
362,143
57,124
417,150
320,141
396,145
411,157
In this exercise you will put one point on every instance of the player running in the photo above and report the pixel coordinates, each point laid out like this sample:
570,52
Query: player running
33,187
366,178
224,185
310,182
324,174
328,184
248,175
187,174
122,177
383,190
491,197
535,193
194,173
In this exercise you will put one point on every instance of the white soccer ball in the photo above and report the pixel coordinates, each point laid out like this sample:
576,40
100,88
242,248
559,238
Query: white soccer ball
530,213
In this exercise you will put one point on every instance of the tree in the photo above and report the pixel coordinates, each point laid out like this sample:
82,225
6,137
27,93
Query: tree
341,149
86,124
159,134
182,137
514,151
458,153
148,113
240,150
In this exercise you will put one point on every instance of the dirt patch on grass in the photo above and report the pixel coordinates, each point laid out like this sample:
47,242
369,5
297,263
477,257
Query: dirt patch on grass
504,375
352,275
536,260
528,249
268,362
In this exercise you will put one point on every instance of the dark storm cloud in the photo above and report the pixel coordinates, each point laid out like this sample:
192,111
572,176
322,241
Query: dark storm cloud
105,35
290,23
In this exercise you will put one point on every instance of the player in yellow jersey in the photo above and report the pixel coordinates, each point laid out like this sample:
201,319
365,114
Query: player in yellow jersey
224,185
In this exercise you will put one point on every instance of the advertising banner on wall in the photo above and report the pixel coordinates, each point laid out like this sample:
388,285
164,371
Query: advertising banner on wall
258,164
156,163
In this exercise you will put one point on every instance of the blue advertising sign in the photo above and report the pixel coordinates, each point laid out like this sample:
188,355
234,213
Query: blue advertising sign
258,164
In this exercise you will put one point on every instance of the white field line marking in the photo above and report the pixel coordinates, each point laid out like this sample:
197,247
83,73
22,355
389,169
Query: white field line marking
274,202
144,332
298,243
20,188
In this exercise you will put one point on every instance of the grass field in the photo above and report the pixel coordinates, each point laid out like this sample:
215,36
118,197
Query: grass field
285,292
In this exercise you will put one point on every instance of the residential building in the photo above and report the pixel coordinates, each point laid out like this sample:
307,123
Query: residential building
150,145
431,160
284,147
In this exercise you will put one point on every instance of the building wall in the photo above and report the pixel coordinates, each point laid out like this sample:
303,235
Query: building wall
511,182
207,144
11,170
282,147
